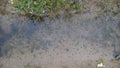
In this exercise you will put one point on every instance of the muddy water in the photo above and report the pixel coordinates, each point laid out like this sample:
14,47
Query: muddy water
58,43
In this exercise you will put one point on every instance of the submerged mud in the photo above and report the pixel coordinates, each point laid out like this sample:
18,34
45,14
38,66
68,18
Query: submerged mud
58,42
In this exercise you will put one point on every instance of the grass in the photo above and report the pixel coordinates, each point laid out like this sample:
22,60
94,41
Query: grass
47,7
31,66
44,7
101,60
52,8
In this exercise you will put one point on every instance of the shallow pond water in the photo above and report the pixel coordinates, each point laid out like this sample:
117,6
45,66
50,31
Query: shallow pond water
59,41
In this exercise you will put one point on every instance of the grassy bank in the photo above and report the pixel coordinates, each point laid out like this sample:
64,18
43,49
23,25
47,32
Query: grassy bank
53,8
46,7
